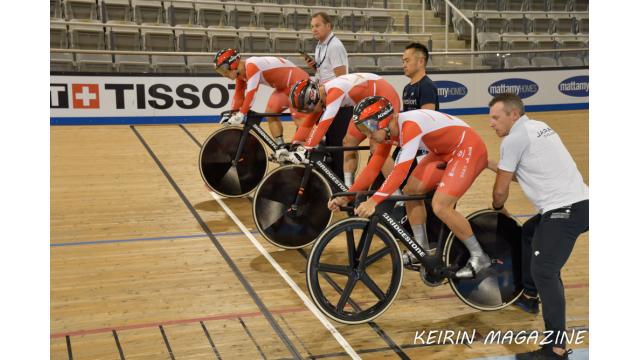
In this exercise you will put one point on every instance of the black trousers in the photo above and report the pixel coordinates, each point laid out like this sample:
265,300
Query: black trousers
336,133
547,242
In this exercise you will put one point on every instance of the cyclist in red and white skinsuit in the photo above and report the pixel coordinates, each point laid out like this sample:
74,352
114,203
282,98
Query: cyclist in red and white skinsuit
343,91
249,74
449,140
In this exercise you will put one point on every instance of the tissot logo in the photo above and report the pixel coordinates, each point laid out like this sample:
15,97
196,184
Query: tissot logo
85,96
118,96
59,94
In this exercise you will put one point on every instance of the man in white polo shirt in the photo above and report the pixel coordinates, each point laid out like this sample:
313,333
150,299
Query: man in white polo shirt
331,61
533,153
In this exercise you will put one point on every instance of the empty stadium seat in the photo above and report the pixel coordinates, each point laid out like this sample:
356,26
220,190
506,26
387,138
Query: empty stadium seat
586,59
298,19
565,24
491,5
132,63
55,9
308,2
559,5
489,41
541,23
372,44
581,5
398,44
362,4
81,9
495,23
521,45
379,22
241,16
390,63
350,42
116,10
168,64
94,62
179,13
256,42
572,44
516,62
61,62
58,36
223,40
544,61
211,14
147,12
582,24
200,64
298,61
570,61
86,37
123,38
158,39
195,40
352,20
517,23
285,43
269,17
309,45
362,64
538,5
515,5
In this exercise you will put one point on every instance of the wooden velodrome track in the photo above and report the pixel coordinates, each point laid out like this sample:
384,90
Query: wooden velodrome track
145,264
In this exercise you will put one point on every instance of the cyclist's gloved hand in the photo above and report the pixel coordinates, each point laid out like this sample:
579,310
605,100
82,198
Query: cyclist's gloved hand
299,155
282,153
224,119
237,119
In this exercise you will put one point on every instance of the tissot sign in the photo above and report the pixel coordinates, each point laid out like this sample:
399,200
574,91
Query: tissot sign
76,100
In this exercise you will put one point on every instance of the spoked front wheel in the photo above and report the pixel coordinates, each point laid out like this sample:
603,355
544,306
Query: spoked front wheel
216,162
499,285
353,278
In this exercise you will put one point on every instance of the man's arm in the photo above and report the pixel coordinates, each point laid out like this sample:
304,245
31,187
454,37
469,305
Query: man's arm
428,106
501,188
340,70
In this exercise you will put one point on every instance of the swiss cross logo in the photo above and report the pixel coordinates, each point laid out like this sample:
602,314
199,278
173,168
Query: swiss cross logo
85,96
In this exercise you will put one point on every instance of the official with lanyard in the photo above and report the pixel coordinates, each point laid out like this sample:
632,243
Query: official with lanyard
330,62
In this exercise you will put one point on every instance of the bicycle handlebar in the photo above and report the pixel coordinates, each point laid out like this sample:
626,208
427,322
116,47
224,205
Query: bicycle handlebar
390,198
252,114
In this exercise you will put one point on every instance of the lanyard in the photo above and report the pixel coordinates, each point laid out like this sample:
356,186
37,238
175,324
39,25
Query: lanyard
325,52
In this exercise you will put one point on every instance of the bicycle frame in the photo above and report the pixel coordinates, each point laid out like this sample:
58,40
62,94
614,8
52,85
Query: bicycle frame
253,123
316,158
434,264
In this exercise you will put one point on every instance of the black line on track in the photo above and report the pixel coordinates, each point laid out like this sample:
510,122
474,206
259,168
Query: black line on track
376,328
296,336
166,342
69,347
256,299
206,332
190,135
246,329
115,337
383,335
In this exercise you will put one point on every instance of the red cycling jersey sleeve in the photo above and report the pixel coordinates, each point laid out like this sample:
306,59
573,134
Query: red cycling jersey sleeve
238,96
410,142
371,171
335,96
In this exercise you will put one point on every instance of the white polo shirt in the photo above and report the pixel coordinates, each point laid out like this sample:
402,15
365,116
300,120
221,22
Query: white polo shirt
329,55
544,168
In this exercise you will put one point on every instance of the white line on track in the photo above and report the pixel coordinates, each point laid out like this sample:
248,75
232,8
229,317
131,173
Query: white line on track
327,324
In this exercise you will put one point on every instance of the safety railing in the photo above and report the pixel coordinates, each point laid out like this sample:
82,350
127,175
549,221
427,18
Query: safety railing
449,4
